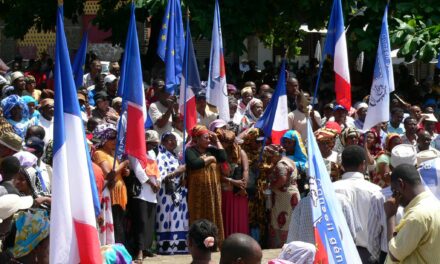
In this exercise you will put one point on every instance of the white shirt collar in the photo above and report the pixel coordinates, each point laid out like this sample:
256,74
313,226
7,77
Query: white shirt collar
352,175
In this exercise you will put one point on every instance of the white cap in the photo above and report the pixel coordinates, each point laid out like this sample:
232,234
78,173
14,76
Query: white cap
11,203
361,105
15,75
429,117
426,155
403,154
109,78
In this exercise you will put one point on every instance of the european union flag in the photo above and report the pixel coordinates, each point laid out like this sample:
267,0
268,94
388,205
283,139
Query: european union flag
172,44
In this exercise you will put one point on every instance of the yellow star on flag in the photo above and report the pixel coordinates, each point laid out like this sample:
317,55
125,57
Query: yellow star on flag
164,37
172,52
164,26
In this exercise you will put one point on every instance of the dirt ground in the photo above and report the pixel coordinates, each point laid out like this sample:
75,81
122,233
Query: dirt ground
268,254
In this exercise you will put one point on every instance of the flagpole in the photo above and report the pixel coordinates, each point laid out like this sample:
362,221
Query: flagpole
186,85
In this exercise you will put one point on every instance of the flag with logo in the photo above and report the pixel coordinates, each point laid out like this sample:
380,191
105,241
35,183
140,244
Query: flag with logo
430,172
333,238
274,122
171,44
216,91
73,232
383,80
336,47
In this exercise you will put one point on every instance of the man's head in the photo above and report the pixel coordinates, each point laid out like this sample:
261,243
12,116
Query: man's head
265,98
423,140
410,124
95,67
201,101
353,159
405,183
9,167
35,131
416,112
264,88
115,69
47,108
240,248
361,111
396,116
18,81
102,100
111,84
35,145
292,87
340,114
252,85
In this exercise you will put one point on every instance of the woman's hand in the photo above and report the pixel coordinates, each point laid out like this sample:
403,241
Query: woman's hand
213,138
181,169
42,200
154,185
209,160
111,179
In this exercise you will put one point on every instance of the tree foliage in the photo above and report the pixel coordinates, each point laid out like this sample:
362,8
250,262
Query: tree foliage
414,24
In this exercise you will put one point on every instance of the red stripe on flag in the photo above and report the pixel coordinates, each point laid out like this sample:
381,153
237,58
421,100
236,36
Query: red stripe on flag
276,136
135,138
321,256
343,92
222,66
88,243
191,114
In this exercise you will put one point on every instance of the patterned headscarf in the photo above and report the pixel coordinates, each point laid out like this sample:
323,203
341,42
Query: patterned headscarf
348,132
10,102
324,134
233,153
251,135
35,181
104,132
199,130
390,137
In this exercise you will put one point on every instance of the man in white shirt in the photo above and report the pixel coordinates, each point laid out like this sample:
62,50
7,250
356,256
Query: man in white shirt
205,113
162,111
298,118
358,192
95,69
46,118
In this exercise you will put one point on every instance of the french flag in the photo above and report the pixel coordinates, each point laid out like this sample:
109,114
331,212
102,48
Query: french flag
334,243
73,232
336,47
190,82
132,92
274,122
216,91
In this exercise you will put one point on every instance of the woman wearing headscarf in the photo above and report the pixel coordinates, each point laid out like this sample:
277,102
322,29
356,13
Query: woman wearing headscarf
252,146
285,197
32,104
31,232
235,173
383,160
254,109
16,113
104,157
204,190
349,136
172,207
295,150
326,139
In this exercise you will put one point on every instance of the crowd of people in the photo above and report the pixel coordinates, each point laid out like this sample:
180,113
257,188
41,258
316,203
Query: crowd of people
223,183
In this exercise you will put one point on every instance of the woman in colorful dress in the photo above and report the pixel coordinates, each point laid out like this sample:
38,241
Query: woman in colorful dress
104,157
172,207
16,113
382,176
285,197
204,187
257,213
235,172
